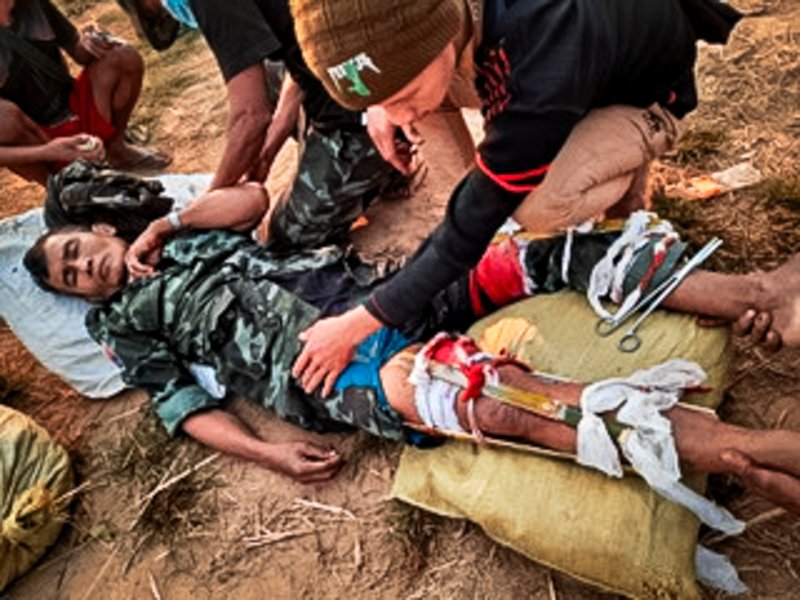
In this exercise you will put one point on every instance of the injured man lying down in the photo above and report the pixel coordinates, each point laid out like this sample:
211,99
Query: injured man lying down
214,298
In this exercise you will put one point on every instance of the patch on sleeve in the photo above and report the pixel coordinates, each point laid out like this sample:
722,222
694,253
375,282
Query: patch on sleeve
111,355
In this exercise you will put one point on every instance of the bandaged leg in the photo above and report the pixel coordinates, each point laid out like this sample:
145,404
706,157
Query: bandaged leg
457,389
647,442
611,263
645,253
436,398
623,266
495,398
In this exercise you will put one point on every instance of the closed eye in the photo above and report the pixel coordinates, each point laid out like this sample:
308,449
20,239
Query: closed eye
71,249
70,276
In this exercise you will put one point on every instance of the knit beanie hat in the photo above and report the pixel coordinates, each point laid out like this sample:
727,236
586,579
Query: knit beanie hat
364,51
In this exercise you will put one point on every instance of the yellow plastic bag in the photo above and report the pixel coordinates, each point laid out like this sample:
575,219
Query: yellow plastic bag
34,473
616,534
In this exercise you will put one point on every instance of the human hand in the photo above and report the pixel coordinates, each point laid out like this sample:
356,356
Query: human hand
98,42
758,326
304,462
329,347
67,149
780,488
399,154
144,253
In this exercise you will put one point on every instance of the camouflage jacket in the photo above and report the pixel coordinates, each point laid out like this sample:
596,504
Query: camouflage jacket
213,303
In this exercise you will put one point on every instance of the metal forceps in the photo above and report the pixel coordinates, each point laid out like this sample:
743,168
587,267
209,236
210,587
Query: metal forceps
631,341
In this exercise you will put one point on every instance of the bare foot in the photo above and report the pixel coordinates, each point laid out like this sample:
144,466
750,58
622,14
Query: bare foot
782,288
128,157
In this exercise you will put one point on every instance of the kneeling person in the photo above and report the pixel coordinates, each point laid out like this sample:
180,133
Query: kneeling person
47,118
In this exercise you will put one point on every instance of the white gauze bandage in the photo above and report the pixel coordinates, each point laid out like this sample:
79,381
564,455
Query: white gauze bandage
566,258
608,275
435,399
648,443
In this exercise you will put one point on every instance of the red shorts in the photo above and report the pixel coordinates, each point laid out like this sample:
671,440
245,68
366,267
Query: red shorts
85,116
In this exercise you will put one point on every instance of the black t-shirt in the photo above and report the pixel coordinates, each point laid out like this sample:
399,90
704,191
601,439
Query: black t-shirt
41,97
540,67
242,33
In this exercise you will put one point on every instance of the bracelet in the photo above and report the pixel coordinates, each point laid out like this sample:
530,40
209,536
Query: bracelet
174,219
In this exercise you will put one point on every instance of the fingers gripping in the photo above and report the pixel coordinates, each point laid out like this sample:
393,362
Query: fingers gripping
781,488
758,327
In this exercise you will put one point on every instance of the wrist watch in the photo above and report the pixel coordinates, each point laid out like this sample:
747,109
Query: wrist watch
174,219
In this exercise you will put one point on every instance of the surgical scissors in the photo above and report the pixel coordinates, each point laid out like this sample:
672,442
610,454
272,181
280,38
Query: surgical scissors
630,340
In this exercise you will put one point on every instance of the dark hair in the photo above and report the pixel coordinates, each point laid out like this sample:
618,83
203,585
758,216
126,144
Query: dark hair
86,194
35,260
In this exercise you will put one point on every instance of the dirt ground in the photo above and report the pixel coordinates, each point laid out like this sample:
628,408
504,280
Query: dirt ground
167,519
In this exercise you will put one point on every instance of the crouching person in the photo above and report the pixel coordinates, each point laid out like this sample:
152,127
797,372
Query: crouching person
47,118
216,299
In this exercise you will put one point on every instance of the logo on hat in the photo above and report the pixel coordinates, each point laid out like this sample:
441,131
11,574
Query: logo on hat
350,70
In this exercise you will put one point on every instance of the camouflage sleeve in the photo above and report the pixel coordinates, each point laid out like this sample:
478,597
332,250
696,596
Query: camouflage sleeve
150,364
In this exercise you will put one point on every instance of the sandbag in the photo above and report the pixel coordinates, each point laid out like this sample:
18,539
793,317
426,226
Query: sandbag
35,473
616,534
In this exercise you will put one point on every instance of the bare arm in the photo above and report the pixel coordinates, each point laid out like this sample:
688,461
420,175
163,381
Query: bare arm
238,208
284,121
248,120
223,431
12,156
64,149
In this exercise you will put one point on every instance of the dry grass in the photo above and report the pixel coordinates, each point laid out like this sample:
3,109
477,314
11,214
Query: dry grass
759,227
167,490
697,146
415,531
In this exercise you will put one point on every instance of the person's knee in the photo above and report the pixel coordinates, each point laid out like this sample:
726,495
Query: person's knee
123,60
560,204
556,210
13,123
257,201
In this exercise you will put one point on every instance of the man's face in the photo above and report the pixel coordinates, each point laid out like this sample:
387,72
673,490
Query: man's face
90,264
425,92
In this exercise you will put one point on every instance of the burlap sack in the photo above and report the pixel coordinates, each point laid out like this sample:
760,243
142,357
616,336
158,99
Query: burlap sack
34,473
616,534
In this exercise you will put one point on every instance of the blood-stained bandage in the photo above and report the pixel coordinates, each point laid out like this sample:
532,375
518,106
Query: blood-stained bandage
643,256
435,398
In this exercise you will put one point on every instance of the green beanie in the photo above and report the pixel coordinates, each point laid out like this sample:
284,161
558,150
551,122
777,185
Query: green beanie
364,51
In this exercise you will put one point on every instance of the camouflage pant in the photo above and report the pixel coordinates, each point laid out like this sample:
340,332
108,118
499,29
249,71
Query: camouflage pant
339,175
358,399
340,172
254,344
